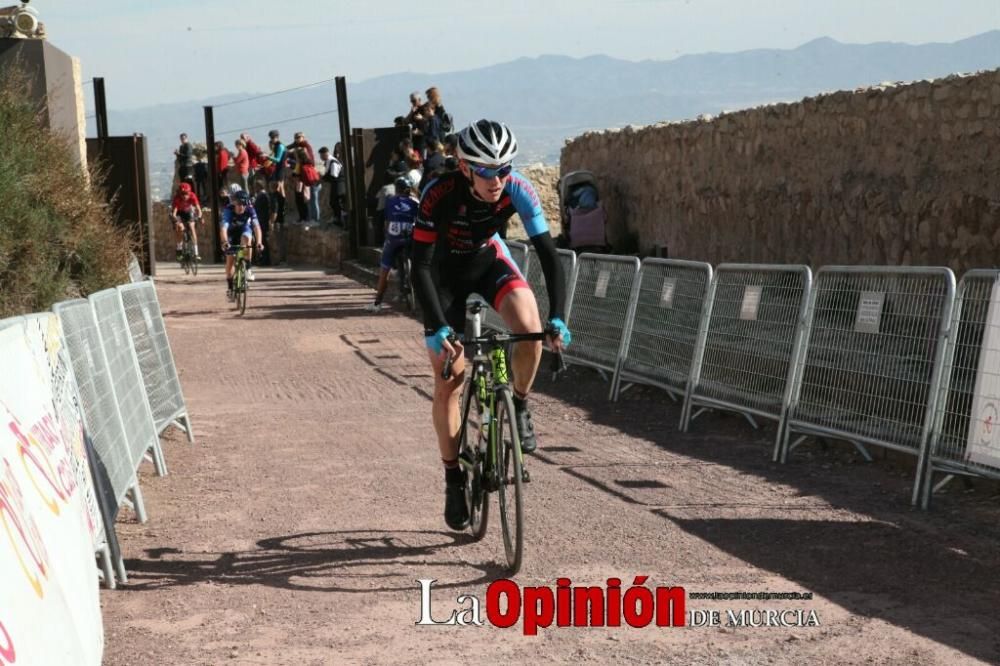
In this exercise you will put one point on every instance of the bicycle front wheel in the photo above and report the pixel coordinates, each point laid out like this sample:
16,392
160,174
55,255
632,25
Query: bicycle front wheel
194,264
241,287
473,455
509,495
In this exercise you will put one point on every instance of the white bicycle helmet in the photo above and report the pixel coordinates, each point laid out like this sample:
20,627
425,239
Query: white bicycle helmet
487,143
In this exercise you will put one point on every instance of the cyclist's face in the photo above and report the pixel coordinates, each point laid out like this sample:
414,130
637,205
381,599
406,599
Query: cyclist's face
239,208
487,189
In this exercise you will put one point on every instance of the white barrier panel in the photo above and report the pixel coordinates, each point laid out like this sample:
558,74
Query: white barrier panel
49,606
100,405
124,367
152,349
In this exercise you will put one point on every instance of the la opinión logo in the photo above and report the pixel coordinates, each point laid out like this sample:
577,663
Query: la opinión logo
567,605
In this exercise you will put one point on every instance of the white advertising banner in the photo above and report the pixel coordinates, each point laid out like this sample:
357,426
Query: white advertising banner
49,607
984,425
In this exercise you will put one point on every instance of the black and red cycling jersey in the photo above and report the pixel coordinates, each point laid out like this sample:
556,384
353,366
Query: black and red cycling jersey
457,249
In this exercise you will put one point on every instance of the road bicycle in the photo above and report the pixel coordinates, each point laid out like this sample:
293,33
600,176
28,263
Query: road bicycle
189,261
489,445
404,266
240,282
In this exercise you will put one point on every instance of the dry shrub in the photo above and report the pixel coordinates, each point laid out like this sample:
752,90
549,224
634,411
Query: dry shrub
57,237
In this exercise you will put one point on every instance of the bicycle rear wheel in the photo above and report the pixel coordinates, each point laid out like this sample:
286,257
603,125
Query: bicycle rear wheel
474,455
194,263
509,494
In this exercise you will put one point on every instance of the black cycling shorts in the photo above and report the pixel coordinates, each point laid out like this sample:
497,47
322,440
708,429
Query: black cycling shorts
491,276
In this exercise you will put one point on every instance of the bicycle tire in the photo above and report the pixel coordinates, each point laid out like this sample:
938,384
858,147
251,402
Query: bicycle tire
411,294
241,287
194,266
477,499
509,492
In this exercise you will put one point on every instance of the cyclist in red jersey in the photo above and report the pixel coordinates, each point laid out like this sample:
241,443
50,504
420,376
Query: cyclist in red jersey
184,209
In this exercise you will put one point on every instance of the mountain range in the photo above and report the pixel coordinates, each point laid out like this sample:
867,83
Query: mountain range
551,98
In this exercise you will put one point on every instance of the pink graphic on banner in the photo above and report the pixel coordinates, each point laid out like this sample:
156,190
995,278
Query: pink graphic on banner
7,653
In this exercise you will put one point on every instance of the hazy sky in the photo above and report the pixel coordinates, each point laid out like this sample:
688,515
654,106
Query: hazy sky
156,51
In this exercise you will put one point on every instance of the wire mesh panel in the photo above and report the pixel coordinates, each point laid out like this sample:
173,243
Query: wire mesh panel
966,434
536,279
750,341
873,357
602,304
134,269
152,349
97,395
660,342
519,253
129,390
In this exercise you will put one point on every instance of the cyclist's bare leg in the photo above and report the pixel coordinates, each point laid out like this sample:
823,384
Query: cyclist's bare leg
446,410
520,312
194,234
230,266
383,284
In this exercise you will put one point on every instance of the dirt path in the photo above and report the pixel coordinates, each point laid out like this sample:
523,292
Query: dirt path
296,528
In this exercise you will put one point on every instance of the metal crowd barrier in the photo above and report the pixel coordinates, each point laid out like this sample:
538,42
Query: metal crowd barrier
662,337
156,362
100,403
124,366
536,280
873,359
519,253
750,341
134,269
966,435
602,304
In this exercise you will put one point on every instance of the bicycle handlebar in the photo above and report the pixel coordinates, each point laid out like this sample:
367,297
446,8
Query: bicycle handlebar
498,339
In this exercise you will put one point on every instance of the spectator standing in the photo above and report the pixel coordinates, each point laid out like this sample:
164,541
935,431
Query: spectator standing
340,192
201,178
433,163
439,121
307,177
222,162
332,169
185,161
241,164
417,122
276,174
255,154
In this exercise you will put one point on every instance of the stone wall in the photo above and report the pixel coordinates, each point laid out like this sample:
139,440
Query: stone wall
894,174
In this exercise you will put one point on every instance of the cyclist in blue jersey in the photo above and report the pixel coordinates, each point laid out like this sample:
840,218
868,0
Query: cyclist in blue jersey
456,252
400,214
239,227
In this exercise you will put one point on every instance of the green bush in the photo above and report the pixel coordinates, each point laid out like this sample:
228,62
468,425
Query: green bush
57,239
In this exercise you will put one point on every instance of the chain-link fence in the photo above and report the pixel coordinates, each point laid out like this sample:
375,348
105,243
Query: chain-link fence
750,342
966,434
152,349
873,357
662,336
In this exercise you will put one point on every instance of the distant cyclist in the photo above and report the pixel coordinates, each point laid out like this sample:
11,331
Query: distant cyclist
239,227
400,214
184,209
456,252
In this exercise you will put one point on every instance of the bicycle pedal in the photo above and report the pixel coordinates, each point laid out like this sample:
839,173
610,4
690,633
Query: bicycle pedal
525,476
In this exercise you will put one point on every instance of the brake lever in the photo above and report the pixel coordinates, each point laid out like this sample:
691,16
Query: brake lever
446,370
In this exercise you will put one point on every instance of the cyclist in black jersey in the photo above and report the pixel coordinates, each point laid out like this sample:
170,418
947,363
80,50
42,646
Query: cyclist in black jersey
456,252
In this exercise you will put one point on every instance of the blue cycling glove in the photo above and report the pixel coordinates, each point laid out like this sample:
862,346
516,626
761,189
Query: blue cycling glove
436,342
560,326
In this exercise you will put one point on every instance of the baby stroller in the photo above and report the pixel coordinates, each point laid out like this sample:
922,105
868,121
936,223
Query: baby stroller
583,216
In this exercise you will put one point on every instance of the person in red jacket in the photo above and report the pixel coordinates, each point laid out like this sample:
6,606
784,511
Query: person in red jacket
255,153
241,165
222,163
184,209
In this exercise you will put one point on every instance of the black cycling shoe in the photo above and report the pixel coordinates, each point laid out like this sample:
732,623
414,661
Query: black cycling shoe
456,511
525,429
